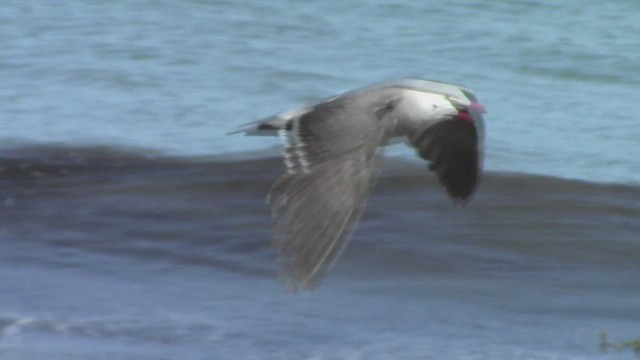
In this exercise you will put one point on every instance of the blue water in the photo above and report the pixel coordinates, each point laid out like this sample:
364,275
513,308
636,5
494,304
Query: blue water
123,236
560,81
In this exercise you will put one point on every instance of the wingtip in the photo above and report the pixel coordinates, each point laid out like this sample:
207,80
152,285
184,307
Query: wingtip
296,286
462,198
295,279
462,202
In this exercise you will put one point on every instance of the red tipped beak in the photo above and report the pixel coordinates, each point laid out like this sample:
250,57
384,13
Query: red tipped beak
477,107
465,115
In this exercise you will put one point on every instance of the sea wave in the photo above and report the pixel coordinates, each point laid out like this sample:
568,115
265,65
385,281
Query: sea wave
211,211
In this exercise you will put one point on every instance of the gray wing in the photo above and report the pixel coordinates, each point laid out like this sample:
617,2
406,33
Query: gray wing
330,156
454,149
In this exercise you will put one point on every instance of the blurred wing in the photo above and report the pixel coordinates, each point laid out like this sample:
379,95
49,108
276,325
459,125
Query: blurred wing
453,148
330,155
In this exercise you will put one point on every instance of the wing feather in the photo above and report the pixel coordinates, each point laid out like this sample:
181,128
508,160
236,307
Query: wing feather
316,206
452,147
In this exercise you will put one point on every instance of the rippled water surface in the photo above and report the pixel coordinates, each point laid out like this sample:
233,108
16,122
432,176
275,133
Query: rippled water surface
132,227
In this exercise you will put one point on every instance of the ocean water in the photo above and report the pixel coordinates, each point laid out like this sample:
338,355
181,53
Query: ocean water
133,227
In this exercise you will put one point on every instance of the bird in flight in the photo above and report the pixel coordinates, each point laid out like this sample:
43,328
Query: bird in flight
332,149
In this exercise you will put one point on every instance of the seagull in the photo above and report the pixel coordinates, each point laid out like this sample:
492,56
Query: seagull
332,150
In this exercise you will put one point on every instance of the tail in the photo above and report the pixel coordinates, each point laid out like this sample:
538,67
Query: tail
271,125
264,127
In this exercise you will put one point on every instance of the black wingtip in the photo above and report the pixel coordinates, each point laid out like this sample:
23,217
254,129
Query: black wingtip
452,149
460,191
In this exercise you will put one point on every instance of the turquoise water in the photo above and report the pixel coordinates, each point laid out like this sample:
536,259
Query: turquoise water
560,81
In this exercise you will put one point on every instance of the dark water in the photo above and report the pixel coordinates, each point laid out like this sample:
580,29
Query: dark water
145,256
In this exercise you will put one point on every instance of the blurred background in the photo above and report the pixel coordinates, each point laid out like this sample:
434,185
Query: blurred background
132,227
559,81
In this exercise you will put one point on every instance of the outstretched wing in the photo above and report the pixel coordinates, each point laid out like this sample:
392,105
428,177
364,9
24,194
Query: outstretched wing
453,148
330,155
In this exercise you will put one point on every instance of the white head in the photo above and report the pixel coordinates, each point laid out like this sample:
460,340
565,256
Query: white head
418,109
421,106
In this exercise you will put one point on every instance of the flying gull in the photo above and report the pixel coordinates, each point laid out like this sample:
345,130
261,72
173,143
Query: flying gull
332,149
